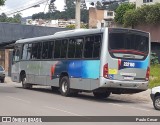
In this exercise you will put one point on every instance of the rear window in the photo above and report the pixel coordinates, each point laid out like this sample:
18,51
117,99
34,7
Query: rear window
128,45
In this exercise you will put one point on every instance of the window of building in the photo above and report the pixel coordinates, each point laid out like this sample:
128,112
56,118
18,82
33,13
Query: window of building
109,13
147,1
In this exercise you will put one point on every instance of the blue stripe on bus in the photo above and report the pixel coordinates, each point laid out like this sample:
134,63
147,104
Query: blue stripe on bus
84,69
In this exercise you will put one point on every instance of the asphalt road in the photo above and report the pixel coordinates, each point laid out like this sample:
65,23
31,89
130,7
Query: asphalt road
42,101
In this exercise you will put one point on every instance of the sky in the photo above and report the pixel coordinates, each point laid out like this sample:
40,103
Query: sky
11,5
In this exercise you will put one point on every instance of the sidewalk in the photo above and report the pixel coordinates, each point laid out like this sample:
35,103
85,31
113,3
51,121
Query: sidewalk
8,79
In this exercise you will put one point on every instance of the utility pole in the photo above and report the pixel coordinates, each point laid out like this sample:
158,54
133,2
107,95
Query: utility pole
78,14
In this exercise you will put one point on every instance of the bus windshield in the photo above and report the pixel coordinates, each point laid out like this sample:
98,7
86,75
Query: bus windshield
128,45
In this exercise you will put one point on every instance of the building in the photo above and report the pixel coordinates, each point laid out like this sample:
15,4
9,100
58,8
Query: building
12,32
100,18
139,3
51,23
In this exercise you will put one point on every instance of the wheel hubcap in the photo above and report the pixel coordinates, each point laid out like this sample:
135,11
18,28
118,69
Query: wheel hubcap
64,87
157,103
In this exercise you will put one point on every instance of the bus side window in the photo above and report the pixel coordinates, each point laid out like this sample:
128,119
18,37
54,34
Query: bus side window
71,48
24,54
16,55
97,46
29,49
88,49
39,50
45,50
64,44
34,50
57,49
51,50
79,47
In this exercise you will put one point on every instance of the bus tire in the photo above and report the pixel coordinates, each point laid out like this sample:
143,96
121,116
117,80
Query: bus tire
24,84
101,94
65,86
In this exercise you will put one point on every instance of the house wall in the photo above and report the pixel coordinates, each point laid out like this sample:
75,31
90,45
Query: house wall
139,3
95,16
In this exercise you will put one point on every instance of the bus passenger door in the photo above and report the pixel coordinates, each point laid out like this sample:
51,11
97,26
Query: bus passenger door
16,65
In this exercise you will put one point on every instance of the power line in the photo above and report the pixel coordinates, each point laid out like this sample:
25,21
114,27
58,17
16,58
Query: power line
25,7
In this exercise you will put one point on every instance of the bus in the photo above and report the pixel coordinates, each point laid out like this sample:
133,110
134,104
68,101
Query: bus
102,61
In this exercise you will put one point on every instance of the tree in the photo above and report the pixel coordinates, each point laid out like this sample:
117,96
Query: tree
15,19
130,18
2,2
113,6
147,14
121,10
99,5
68,13
52,6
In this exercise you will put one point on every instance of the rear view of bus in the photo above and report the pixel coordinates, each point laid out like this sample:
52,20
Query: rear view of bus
125,61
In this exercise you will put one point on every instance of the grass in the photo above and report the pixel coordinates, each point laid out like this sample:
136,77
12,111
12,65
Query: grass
154,76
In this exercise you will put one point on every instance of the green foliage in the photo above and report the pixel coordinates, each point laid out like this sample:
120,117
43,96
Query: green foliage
128,19
2,2
147,14
72,26
154,59
113,6
15,19
154,76
121,10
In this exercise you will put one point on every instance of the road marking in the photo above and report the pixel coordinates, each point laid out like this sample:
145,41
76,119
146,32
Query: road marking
116,104
140,109
19,99
62,111
130,107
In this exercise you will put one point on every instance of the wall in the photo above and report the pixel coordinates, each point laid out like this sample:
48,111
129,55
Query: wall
153,29
95,17
139,3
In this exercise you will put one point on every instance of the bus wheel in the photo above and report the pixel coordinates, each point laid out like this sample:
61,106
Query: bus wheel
101,94
156,103
24,84
65,86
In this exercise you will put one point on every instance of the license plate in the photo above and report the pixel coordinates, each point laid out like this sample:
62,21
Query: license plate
128,78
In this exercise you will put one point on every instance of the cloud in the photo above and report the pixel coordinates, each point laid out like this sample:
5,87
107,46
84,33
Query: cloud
12,5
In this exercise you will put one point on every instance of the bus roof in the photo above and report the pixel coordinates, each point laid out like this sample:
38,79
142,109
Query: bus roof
62,34
72,33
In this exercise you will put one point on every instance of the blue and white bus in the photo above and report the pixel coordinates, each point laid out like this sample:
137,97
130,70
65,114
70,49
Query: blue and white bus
102,61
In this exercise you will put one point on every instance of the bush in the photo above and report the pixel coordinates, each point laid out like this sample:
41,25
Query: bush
154,59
